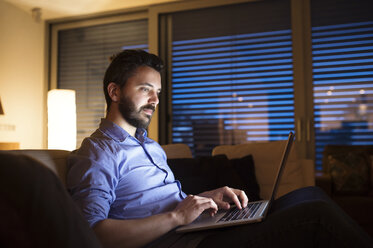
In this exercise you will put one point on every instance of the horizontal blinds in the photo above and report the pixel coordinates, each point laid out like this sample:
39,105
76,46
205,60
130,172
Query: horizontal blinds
231,88
83,56
342,48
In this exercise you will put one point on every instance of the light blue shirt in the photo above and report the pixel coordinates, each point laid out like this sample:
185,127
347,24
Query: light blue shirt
115,175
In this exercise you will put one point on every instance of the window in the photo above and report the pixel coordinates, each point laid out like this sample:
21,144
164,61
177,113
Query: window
229,76
232,79
83,56
342,45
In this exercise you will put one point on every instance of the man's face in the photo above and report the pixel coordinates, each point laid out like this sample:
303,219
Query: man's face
139,97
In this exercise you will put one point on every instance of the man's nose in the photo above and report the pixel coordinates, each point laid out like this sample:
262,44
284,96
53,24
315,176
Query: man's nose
154,98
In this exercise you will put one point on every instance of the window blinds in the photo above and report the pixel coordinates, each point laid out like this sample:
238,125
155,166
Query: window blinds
232,79
342,48
83,56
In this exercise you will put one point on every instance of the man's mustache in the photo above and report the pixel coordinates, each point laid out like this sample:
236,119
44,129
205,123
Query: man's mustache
148,106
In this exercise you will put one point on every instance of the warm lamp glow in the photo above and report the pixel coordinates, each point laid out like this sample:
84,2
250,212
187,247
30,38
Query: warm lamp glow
61,119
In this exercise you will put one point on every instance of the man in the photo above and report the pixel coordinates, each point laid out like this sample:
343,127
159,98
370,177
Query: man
120,179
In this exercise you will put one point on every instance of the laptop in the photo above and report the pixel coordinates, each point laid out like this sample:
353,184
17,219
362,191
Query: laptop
254,212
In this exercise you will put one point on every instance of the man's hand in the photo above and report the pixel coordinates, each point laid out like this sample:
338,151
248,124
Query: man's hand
225,195
191,207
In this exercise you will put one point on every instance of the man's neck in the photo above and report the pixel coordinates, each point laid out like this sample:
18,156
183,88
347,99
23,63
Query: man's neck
118,119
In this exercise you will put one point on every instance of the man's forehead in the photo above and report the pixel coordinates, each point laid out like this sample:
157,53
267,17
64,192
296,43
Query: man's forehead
146,76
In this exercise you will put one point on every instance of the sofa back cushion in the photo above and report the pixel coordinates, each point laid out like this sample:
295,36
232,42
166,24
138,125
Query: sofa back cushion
177,151
56,160
267,157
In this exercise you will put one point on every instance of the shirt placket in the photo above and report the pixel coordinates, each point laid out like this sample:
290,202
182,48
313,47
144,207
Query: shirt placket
155,164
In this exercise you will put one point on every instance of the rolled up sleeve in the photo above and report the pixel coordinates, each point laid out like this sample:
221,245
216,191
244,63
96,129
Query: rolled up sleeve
91,181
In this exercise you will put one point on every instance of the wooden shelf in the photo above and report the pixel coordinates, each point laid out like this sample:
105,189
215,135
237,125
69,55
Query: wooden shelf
9,145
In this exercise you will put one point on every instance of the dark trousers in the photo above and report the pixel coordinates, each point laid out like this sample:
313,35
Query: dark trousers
36,210
306,217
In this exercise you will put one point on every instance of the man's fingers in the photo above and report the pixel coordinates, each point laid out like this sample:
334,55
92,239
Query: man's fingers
236,201
229,195
242,196
238,197
223,204
203,202
192,206
225,195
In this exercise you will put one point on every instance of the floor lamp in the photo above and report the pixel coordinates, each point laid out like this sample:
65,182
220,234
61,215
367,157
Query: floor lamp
61,119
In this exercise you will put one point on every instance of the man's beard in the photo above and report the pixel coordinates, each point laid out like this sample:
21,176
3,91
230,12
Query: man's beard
133,116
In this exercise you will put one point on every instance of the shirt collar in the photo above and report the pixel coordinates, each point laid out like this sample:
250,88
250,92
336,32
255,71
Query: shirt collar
119,134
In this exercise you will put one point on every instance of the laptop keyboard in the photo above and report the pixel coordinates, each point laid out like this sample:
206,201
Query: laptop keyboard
245,213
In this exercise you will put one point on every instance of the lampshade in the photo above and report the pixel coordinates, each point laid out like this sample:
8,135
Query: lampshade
1,109
61,119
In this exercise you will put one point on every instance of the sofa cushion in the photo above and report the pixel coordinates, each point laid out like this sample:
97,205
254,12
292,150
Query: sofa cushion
177,151
206,173
267,157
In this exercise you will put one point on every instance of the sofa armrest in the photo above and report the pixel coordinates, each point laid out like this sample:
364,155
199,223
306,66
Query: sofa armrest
324,181
56,160
308,171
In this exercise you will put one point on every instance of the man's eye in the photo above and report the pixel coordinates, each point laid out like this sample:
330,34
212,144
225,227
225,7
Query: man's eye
145,89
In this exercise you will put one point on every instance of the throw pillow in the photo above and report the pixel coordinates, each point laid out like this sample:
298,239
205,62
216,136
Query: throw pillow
206,173
195,174
350,172
245,169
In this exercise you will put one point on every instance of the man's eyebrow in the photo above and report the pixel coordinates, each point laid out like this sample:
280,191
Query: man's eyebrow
148,84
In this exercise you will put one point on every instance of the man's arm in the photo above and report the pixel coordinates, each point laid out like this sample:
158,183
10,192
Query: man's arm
139,232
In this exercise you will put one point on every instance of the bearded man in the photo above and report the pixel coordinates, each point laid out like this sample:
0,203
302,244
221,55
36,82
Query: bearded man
122,184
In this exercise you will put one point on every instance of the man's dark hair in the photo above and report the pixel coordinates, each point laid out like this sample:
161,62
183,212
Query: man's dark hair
123,66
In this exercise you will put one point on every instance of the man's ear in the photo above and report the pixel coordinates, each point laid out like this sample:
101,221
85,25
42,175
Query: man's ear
113,90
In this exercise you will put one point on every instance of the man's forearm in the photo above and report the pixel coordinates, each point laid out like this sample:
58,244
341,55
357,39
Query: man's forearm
139,232
134,233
